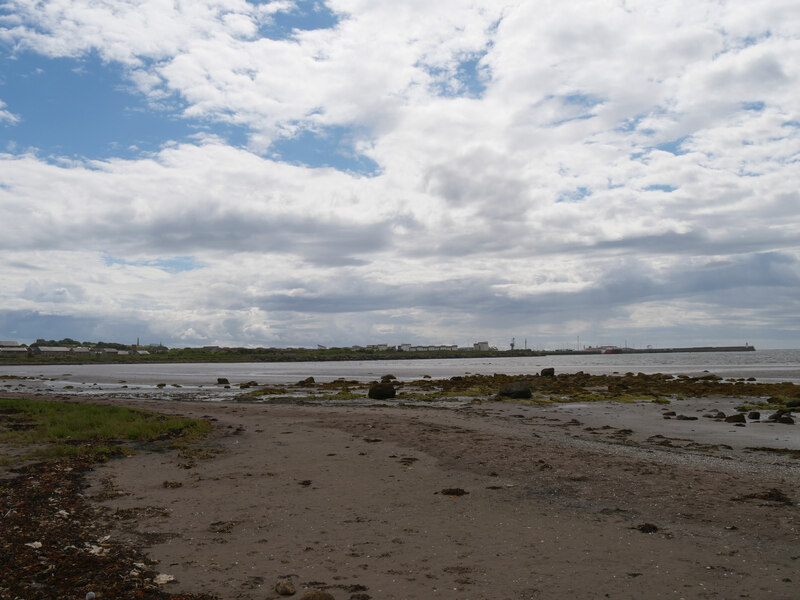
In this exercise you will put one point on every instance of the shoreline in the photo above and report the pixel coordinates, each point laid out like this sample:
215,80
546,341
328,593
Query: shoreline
573,500
320,356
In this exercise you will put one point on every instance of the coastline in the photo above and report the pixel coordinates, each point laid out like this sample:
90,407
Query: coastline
260,355
574,500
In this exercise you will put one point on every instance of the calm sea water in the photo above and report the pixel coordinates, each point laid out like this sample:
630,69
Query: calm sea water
765,365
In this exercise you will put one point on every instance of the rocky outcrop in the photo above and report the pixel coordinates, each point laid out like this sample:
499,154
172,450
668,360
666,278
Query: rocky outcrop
381,391
516,389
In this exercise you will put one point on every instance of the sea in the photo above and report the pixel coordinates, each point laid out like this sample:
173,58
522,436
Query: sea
198,381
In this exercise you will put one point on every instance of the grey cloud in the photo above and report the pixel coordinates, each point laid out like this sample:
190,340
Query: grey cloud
325,242
770,275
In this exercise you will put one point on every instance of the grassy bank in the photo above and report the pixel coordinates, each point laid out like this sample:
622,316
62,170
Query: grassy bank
49,429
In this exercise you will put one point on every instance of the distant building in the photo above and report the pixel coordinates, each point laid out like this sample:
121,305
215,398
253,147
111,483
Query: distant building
480,346
8,344
81,351
13,350
51,350
142,353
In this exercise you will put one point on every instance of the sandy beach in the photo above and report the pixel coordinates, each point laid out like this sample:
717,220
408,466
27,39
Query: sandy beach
483,501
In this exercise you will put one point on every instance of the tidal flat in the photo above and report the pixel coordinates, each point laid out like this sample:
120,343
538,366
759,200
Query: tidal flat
620,486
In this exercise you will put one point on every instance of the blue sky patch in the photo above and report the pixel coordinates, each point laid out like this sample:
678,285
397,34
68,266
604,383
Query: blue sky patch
332,146
575,195
660,188
80,108
754,106
304,16
577,99
174,264
468,79
673,146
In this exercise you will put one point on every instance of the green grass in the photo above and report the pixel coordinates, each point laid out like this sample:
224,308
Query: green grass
74,429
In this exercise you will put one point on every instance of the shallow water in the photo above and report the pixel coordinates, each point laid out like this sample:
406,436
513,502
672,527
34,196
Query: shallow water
198,380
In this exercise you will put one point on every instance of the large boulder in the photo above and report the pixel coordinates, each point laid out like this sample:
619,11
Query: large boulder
381,391
516,389
548,372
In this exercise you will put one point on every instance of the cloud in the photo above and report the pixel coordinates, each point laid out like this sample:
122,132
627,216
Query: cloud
421,170
6,116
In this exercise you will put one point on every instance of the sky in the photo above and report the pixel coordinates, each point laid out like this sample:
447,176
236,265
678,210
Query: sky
340,172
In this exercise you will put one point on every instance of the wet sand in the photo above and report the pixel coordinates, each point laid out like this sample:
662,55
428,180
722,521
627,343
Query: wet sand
602,500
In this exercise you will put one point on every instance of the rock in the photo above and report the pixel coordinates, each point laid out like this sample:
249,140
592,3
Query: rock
317,595
778,414
754,415
647,528
516,389
786,420
306,381
548,372
793,404
737,418
685,418
222,381
381,391
669,413
285,587
387,378
453,492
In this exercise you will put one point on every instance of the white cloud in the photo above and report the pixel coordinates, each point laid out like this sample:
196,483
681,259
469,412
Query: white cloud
6,115
559,194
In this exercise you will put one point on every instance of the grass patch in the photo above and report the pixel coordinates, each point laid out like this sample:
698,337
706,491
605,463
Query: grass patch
65,429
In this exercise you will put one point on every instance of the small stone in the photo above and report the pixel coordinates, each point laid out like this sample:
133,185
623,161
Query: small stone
285,587
453,492
754,415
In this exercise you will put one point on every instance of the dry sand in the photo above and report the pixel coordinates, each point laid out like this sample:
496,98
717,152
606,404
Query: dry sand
349,499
